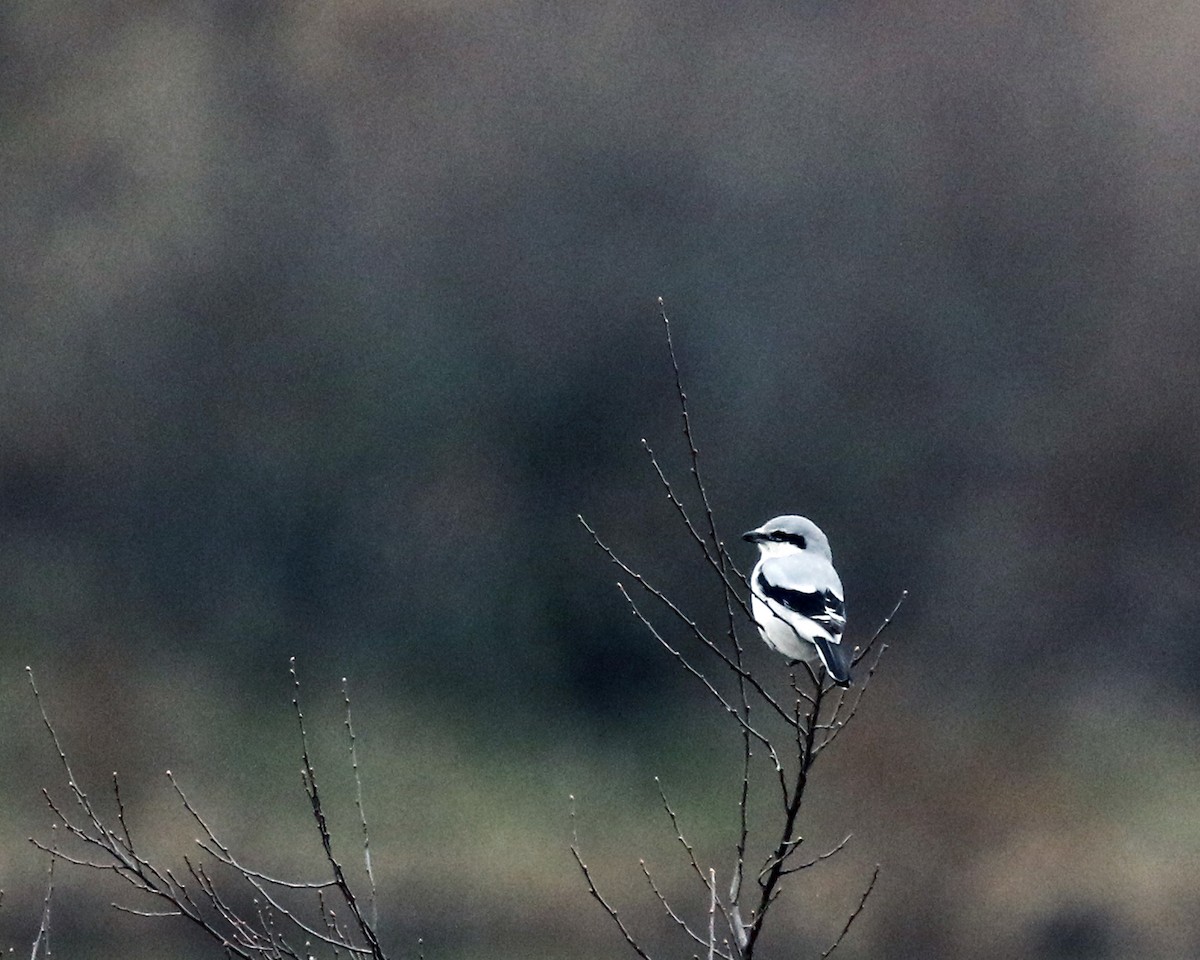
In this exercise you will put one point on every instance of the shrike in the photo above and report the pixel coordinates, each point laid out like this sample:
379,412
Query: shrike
796,595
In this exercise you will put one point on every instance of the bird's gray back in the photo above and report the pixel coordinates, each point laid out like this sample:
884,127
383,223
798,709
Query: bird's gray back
803,571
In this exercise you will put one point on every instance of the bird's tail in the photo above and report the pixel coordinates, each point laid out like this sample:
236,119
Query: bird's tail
836,660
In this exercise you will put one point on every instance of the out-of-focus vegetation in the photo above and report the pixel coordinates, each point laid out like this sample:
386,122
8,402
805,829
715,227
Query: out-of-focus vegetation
320,322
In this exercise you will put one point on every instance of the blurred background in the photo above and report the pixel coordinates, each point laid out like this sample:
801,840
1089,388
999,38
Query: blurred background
319,324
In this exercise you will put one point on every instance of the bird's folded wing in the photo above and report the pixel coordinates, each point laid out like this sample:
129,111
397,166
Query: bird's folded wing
821,603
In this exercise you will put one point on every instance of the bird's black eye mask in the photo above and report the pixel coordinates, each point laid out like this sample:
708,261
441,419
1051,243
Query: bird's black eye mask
793,538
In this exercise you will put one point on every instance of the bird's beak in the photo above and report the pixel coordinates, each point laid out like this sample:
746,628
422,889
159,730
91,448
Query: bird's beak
752,536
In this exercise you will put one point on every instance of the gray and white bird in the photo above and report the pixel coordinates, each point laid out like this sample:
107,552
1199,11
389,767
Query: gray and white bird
796,595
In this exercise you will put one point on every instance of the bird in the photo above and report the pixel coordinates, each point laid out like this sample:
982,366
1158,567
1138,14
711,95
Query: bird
796,595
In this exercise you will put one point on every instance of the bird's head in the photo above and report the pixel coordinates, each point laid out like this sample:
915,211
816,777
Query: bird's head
788,535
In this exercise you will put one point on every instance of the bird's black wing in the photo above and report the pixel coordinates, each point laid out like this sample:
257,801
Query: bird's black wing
823,607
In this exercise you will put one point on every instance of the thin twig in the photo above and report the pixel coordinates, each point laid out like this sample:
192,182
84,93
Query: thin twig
854,916
80,796
818,859
688,622
883,626
862,690
216,849
718,562
77,861
42,940
358,801
691,853
698,675
679,921
157,914
587,876
693,452
677,503
121,812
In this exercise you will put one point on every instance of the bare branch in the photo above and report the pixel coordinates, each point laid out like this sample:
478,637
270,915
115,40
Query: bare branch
739,867
712,914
